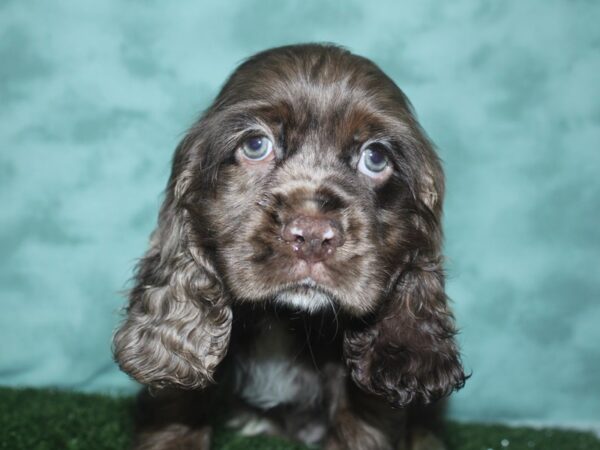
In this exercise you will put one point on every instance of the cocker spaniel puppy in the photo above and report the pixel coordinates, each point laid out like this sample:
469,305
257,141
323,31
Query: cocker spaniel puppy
294,284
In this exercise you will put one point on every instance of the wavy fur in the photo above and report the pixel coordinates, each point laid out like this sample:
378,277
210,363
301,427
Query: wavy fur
333,351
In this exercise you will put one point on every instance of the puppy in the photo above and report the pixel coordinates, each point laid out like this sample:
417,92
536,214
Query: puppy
294,284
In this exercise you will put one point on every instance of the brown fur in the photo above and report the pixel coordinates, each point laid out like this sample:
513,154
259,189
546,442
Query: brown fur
214,283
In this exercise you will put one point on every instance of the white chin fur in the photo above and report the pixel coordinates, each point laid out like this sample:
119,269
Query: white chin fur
310,301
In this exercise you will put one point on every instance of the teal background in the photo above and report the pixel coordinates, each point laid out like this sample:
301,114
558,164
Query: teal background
94,97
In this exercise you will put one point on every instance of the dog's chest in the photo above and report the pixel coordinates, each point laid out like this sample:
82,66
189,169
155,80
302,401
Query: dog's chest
271,373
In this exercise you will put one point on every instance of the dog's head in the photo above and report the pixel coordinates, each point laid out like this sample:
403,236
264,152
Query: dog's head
307,182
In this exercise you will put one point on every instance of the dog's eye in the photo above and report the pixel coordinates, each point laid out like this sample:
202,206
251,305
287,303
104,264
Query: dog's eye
257,148
372,161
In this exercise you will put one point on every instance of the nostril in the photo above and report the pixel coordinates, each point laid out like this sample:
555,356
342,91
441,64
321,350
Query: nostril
328,233
313,238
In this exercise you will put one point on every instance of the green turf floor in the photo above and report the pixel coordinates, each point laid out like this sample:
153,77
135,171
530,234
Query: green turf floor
42,419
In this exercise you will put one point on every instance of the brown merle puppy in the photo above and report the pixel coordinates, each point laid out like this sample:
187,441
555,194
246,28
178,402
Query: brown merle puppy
295,278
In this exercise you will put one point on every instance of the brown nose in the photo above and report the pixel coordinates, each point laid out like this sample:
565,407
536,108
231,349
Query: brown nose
312,238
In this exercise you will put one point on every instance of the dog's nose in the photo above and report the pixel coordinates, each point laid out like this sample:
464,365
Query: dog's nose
313,238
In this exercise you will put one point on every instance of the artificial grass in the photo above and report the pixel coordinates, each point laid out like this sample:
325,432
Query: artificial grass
36,419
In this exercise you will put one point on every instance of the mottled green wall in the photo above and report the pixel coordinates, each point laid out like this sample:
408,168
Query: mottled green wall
95,96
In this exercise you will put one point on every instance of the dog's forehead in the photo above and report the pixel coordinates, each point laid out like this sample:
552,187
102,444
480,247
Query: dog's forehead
321,113
314,83
313,99
312,119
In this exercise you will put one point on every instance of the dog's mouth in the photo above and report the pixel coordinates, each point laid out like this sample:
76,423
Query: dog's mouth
309,274
306,286
307,295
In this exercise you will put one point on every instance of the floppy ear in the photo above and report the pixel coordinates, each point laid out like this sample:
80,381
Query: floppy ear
407,352
178,320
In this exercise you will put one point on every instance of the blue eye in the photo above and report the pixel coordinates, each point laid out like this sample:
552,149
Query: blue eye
372,161
257,148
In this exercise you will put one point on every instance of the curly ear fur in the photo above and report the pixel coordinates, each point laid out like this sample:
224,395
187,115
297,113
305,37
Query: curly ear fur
407,352
178,320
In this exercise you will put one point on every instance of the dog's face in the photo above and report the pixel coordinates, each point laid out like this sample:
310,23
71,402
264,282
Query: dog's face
307,182
316,171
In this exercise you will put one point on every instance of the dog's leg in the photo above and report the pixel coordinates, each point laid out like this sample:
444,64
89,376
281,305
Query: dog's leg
359,421
171,419
174,437
425,425
424,439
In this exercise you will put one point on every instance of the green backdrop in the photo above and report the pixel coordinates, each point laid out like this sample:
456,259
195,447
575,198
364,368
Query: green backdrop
94,97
